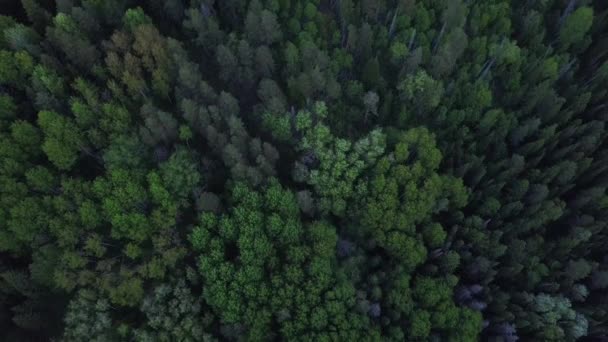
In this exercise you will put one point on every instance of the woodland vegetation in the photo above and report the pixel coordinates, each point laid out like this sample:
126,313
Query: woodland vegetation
304,170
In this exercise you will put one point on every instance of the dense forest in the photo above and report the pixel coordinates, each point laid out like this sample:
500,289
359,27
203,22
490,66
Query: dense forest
303,170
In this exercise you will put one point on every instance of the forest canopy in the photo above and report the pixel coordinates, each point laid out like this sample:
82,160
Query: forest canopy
303,170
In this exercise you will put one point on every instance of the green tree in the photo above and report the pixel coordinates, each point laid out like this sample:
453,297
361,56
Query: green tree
420,92
240,258
180,174
575,27
62,139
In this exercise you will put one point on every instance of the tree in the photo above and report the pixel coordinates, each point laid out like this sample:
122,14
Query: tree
180,174
552,318
135,17
261,229
36,14
172,312
88,317
62,140
420,326
339,161
421,92
71,39
159,126
576,26
16,67
261,25
139,60
448,54
402,193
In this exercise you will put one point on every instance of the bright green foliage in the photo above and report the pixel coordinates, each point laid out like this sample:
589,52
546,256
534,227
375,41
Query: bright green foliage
135,219
62,139
420,92
135,17
123,200
398,52
259,266
420,326
402,194
65,23
180,174
280,126
185,133
48,80
15,67
576,26
434,235
340,162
